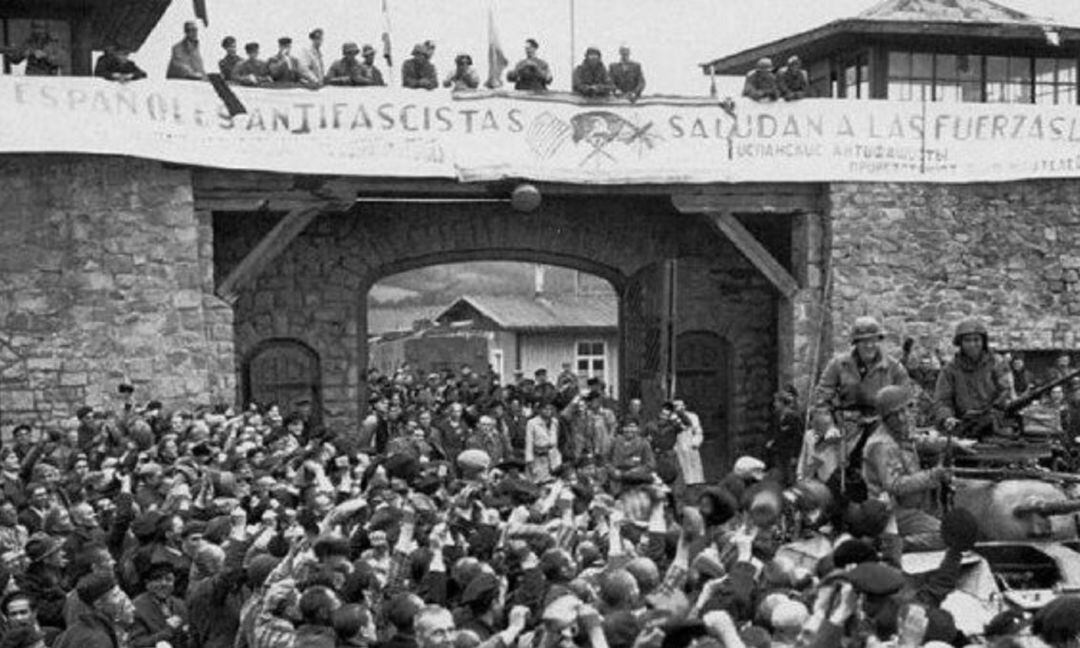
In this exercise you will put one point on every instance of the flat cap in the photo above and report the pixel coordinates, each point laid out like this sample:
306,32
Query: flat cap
876,579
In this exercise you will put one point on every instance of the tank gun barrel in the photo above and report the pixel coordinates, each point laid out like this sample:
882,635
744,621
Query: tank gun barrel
1038,392
1001,474
1048,508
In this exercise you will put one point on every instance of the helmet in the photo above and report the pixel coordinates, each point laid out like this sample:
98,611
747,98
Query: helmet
892,398
866,328
970,327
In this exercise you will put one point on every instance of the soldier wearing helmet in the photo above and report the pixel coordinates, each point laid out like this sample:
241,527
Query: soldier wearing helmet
891,470
849,385
974,383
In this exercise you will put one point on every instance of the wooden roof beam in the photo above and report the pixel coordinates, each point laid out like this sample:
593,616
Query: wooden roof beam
267,250
754,251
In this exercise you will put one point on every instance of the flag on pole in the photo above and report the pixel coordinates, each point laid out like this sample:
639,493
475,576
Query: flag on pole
386,50
496,57
200,12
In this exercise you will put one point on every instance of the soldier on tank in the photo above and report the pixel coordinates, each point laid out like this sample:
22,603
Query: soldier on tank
849,385
892,473
973,385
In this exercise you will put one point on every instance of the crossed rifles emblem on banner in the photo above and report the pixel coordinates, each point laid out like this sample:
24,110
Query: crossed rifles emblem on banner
598,129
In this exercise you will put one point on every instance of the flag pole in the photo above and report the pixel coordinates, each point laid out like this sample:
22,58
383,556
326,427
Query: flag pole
573,47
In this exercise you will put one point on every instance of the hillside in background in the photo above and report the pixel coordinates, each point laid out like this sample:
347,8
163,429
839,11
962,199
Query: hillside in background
397,301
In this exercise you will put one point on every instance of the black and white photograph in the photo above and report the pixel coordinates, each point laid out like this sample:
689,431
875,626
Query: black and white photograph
539,324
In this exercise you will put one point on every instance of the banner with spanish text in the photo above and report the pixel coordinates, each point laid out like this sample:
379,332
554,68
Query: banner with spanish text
484,136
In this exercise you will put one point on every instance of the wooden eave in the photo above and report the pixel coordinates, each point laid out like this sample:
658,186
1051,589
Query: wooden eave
842,34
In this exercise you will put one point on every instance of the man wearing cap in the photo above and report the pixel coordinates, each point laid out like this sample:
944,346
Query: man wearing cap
42,53
626,75
418,72
115,65
531,73
312,69
186,61
95,629
761,82
591,78
542,444
464,76
792,80
592,427
45,578
346,70
283,66
369,74
892,471
631,450
974,386
230,60
252,71
850,384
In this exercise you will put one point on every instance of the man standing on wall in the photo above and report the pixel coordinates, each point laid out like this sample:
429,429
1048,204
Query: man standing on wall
41,51
186,61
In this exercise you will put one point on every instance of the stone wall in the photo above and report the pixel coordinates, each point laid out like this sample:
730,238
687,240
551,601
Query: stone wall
922,257
724,295
105,277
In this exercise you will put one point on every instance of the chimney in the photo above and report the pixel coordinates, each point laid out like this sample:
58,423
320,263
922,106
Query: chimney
538,281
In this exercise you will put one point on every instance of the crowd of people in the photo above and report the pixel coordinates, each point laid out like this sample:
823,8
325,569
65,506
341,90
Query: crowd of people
311,68
465,512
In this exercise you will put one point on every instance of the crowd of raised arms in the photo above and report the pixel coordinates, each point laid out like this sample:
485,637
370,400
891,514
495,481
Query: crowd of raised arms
467,511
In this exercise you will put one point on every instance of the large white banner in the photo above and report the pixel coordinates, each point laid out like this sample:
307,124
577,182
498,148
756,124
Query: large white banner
488,136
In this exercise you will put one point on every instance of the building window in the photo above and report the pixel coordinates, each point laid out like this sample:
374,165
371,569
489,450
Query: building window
1008,79
918,76
957,77
591,360
911,76
1055,81
497,361
856,78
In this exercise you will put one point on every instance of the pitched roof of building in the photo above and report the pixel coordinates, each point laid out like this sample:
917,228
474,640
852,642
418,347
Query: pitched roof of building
981,11
545,313
396,319
915,18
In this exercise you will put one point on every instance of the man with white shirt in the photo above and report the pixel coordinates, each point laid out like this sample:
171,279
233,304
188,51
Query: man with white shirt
687,448
312,69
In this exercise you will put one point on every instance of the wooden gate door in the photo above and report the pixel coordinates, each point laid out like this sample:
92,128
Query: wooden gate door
702,370
641,360
285,372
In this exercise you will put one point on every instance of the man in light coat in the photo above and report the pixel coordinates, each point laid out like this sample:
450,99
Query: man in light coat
312,68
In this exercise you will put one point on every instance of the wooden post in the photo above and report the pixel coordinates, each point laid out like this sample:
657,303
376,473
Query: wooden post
755,252
268,249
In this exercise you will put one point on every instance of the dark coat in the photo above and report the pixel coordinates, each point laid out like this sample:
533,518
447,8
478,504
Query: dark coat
46,585
315,636
151,624
214,603
92,631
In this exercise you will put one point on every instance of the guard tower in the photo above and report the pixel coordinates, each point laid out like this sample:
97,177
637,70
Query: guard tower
82,26
930,50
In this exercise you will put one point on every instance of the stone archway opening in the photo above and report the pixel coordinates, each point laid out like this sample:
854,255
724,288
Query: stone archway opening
503,317
305,275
